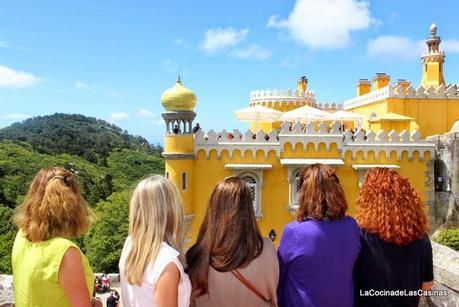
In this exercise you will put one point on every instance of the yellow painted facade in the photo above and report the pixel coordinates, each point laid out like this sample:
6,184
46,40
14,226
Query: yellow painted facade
433,105
197,161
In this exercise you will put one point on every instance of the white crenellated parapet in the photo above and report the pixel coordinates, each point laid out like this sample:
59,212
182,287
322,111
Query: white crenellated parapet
387,142
249,141
297,133
270,94
272,98
398,91
332,106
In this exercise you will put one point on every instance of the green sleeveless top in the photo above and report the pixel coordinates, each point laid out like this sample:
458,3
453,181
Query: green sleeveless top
36,272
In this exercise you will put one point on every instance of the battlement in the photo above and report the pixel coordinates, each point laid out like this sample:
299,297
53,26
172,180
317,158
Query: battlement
289,95
297,133
329,106
399,91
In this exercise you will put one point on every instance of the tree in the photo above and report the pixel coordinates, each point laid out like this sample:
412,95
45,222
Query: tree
7,235
105,239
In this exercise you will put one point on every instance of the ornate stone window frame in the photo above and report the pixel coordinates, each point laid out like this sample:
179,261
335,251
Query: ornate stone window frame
363,168
255,171
295,165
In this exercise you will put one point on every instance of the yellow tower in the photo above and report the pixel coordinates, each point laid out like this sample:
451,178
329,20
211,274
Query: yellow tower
302,84
432,71
179,155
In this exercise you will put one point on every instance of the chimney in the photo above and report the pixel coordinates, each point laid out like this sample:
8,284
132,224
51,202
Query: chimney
302,84
363,87
403,83
380,80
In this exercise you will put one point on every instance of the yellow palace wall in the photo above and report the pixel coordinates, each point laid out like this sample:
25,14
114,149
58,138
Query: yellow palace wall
432,116
206,173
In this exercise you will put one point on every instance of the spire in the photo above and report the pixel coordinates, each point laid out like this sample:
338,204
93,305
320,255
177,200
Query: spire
432,60
433,42
179,80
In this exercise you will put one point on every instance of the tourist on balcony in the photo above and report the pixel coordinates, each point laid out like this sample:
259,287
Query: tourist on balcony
396,251
49,270
231,264
318,250
151,270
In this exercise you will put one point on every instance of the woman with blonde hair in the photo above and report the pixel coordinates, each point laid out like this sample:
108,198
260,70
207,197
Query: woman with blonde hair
49,270
151,267
396,251
231,264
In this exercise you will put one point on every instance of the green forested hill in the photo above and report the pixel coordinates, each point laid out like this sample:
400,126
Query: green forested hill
106,175
75,134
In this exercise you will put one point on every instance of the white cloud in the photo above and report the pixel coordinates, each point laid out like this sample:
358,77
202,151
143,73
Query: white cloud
79,85
146,113
10,78
451,45
16,116
171,66
253,51
396,47
220,39
4,44
325,24
178,41
405,48
118,116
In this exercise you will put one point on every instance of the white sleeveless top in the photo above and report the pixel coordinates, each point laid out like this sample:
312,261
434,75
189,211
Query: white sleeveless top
135,296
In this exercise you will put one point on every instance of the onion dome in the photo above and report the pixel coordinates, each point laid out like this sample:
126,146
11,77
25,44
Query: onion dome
178,98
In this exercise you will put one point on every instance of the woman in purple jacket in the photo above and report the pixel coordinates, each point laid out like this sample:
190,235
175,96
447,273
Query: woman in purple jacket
317,252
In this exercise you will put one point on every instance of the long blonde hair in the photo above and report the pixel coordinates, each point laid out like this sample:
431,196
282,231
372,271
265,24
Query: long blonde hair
53,207
156,215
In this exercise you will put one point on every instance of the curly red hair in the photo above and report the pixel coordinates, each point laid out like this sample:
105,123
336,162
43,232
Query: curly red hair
390,207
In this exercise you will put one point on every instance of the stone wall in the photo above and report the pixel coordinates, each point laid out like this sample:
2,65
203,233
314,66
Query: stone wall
446,272
444,207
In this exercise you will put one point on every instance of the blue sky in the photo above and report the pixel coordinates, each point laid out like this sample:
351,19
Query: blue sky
113,59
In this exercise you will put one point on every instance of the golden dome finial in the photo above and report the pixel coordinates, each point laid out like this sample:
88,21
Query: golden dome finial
178,98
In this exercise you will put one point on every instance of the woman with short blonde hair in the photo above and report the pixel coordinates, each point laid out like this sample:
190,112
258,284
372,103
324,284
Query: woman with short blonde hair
151,261
48,268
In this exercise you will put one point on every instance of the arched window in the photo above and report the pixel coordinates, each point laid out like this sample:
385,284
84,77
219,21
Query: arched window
297,186
251,182
294,188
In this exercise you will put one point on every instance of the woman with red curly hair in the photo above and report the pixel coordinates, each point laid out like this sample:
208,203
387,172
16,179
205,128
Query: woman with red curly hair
396,255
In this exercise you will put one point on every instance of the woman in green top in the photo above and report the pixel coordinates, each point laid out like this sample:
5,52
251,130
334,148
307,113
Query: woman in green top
49,269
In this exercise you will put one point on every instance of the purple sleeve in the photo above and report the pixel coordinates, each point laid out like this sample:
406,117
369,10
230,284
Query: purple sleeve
285,254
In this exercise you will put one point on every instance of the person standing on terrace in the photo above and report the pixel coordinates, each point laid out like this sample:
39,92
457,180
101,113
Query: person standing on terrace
151,263
396,251
317,252
49,270
231,264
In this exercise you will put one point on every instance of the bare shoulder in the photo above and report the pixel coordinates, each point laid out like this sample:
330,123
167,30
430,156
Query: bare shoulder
71,257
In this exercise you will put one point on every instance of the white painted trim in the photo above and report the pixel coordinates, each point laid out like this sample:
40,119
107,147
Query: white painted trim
305,162
369,166
248,166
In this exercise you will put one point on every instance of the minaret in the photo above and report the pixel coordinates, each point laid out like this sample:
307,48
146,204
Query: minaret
432,72
179,154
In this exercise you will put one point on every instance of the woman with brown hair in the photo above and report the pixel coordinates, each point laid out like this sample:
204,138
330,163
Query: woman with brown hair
396,252
231,264
317,252
49,270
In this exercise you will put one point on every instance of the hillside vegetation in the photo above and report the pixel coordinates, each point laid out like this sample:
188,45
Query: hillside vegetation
106,161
